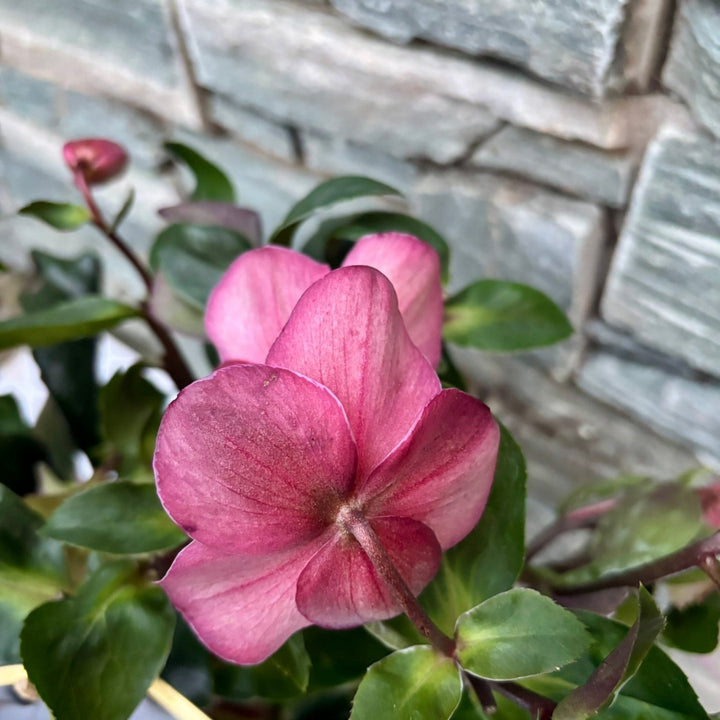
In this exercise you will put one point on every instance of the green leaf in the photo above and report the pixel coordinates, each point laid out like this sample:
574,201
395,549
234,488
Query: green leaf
412,684
284,674
130,410
193,258
123,211
188,666
323,196
173,311
618,667
601,490
68,369
32,570
489,559
503,316
19,449
449,374
659,690
120,518
517,634
67,321
694,628
95,655
211,183
61,216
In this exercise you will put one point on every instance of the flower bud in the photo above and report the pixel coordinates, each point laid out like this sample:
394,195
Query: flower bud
96,159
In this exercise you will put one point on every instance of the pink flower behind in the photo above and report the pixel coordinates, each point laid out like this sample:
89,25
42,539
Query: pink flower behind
97,160
270,468
254,299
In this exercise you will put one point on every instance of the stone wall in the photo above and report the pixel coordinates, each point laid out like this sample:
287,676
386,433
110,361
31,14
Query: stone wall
574,146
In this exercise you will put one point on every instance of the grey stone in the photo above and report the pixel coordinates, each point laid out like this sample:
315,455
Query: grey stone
252,128
341,157
678,407
33,99
127,50
568,437
601,176
504,228
693,66
408,102
577,43
664,282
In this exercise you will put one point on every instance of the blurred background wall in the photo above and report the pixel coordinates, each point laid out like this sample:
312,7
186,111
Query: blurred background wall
569,144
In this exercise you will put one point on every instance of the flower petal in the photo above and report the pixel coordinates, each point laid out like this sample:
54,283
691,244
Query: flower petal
347,333
254,459
339,587
442,472
242,608
413,267
249,306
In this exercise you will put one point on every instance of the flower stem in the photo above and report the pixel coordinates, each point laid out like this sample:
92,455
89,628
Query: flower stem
701,554
362,531
173,361
540,707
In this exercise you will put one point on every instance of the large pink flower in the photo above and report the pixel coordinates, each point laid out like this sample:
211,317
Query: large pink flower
253,300
270,468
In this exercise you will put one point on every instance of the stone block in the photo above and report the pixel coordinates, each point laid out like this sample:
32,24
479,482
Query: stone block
664,281
577,43
125,50
408,102
682,408
601,176
693,66
514,230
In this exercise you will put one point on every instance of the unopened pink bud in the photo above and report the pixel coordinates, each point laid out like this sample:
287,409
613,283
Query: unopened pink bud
98,160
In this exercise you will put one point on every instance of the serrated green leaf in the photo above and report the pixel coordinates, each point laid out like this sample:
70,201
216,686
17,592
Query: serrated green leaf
120,518
32,569
489,559
193,258
61,216
329,193
518,634
412,684
94,655
66,321
211,183
618,667
503,316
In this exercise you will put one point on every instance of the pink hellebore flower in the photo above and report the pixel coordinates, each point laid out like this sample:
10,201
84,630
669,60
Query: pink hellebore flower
97,160
254,299
281,471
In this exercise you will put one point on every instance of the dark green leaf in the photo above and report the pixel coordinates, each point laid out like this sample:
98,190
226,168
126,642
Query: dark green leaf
19,449
95,655
412,684
659,690
694,628
517,634
503,316
489,559
120,518
188,666
396,634
173,311
61,216
323,196
67,321
193,258
130,409
211,183
32,569
242,220
123,211
382,222
618,667
68,369
449,374
284,674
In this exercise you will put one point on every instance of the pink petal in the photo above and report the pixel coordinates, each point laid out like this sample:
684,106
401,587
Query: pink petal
254,459
710,499
339,587
346,332
442,472
252,302
242,608
413,267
